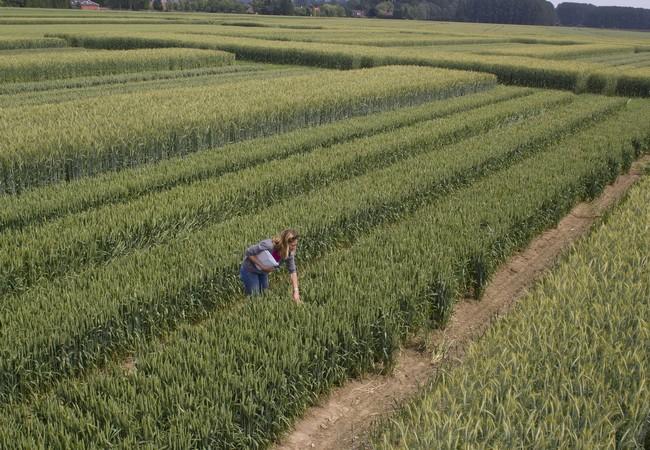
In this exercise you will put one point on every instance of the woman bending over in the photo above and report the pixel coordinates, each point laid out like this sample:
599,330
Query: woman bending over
255,268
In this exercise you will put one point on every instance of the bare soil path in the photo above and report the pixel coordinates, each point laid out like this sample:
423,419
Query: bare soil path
344,418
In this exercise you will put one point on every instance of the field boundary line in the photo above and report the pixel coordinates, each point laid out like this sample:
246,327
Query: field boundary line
346,416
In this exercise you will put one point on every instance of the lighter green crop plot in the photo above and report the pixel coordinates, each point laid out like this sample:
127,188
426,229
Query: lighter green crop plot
126,78
208,79
640,65
372,37
375,39
518,70
625,62
36,52
240,378
562,52
616,59
567,369
22,68
49,143
470,42
478,48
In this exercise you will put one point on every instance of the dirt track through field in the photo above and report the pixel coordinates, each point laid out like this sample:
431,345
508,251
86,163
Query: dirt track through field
344,418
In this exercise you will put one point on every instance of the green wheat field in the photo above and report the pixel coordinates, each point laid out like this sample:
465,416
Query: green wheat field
141,153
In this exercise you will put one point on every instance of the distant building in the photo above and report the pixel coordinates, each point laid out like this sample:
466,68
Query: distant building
358,13
84,4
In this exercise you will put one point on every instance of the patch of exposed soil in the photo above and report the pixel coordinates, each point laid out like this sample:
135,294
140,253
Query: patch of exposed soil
129,365
344,418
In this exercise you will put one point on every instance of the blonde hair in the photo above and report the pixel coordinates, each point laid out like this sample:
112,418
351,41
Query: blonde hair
281,241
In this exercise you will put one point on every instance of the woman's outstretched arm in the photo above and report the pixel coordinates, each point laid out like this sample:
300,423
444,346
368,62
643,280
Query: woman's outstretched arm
296,290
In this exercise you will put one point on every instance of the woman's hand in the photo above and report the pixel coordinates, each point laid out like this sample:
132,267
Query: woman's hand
296,291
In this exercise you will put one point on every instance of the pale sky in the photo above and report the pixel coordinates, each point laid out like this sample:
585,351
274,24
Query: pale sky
633,3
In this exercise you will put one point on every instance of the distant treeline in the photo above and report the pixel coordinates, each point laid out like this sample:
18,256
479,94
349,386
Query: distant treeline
36,3
585,15
533,12
523,12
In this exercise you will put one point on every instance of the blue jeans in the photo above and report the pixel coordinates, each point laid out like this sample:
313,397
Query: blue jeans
254,283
